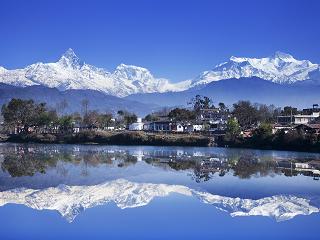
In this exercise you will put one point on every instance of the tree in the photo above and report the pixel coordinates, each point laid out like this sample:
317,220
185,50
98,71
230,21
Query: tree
66,123
201,102
104,120
233,129
262,132
245,113
222,106
85,106
23,113
91,119
266,113
121,112
61,106
47,118
288,111
180,114
130,118
151,117
126,117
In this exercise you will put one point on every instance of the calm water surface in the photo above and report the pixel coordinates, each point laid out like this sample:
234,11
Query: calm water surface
126,192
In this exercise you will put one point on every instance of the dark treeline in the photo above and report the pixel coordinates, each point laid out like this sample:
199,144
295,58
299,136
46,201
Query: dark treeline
25,116
263,138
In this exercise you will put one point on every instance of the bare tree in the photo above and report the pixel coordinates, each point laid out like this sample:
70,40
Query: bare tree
62,106
85,106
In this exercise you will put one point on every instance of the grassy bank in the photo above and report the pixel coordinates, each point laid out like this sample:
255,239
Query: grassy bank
115,138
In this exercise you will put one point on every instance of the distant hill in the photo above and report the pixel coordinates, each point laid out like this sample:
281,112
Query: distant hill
52,96
232,90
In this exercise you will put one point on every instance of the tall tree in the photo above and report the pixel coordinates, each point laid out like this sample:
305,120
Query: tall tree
22,113
104,120
245,113
85,106
180,114
233,129
201,102
62,106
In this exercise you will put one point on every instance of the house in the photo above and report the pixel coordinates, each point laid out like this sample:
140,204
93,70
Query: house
302,165
214,115
76,128
308,115
305,119
313,128
109,128
194,127
164,126
278,127
136,126
177,127
285,120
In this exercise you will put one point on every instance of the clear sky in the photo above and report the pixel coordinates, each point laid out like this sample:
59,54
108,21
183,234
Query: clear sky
173,39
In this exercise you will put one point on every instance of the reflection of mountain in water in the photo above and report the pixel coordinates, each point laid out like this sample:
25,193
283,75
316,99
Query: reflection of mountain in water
69,201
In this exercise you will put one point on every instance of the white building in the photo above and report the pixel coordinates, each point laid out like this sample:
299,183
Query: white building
194,128
304,119
302,165
137,126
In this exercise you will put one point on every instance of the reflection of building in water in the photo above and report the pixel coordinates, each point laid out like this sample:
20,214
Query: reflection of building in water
205,169
311,169
139,154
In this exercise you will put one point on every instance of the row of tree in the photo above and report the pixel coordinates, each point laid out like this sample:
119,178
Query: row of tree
26,115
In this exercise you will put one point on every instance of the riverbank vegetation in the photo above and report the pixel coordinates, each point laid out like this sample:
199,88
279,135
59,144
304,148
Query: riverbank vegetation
114,138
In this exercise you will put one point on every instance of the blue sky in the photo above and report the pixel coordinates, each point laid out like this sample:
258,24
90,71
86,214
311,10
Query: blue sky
174,39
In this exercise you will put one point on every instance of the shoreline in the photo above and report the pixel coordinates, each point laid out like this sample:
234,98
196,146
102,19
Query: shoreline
136,138
114,138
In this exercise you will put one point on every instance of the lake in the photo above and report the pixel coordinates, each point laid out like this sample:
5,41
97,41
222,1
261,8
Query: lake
145,192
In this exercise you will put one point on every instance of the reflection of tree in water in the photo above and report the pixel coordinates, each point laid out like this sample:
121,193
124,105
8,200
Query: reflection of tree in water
127,160
27,162
248,166
204,169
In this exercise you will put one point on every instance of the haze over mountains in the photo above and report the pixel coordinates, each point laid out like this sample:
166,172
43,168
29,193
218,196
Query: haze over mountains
279,79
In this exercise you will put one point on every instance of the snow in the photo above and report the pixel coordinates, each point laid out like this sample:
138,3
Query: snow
280,68
69,72
70,201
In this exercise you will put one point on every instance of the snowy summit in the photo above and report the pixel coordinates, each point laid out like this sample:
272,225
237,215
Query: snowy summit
69,72
280,68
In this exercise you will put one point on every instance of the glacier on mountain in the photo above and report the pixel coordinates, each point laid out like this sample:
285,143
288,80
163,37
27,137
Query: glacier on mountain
70,201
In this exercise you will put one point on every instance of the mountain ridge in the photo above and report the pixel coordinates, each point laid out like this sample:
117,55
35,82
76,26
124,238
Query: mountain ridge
70,72
229,91
52,96
70,201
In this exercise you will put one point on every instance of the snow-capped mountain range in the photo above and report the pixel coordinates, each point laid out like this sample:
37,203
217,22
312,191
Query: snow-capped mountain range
69,72
70,201
280,68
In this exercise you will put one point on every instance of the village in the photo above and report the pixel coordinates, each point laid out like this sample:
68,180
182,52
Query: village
242,125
